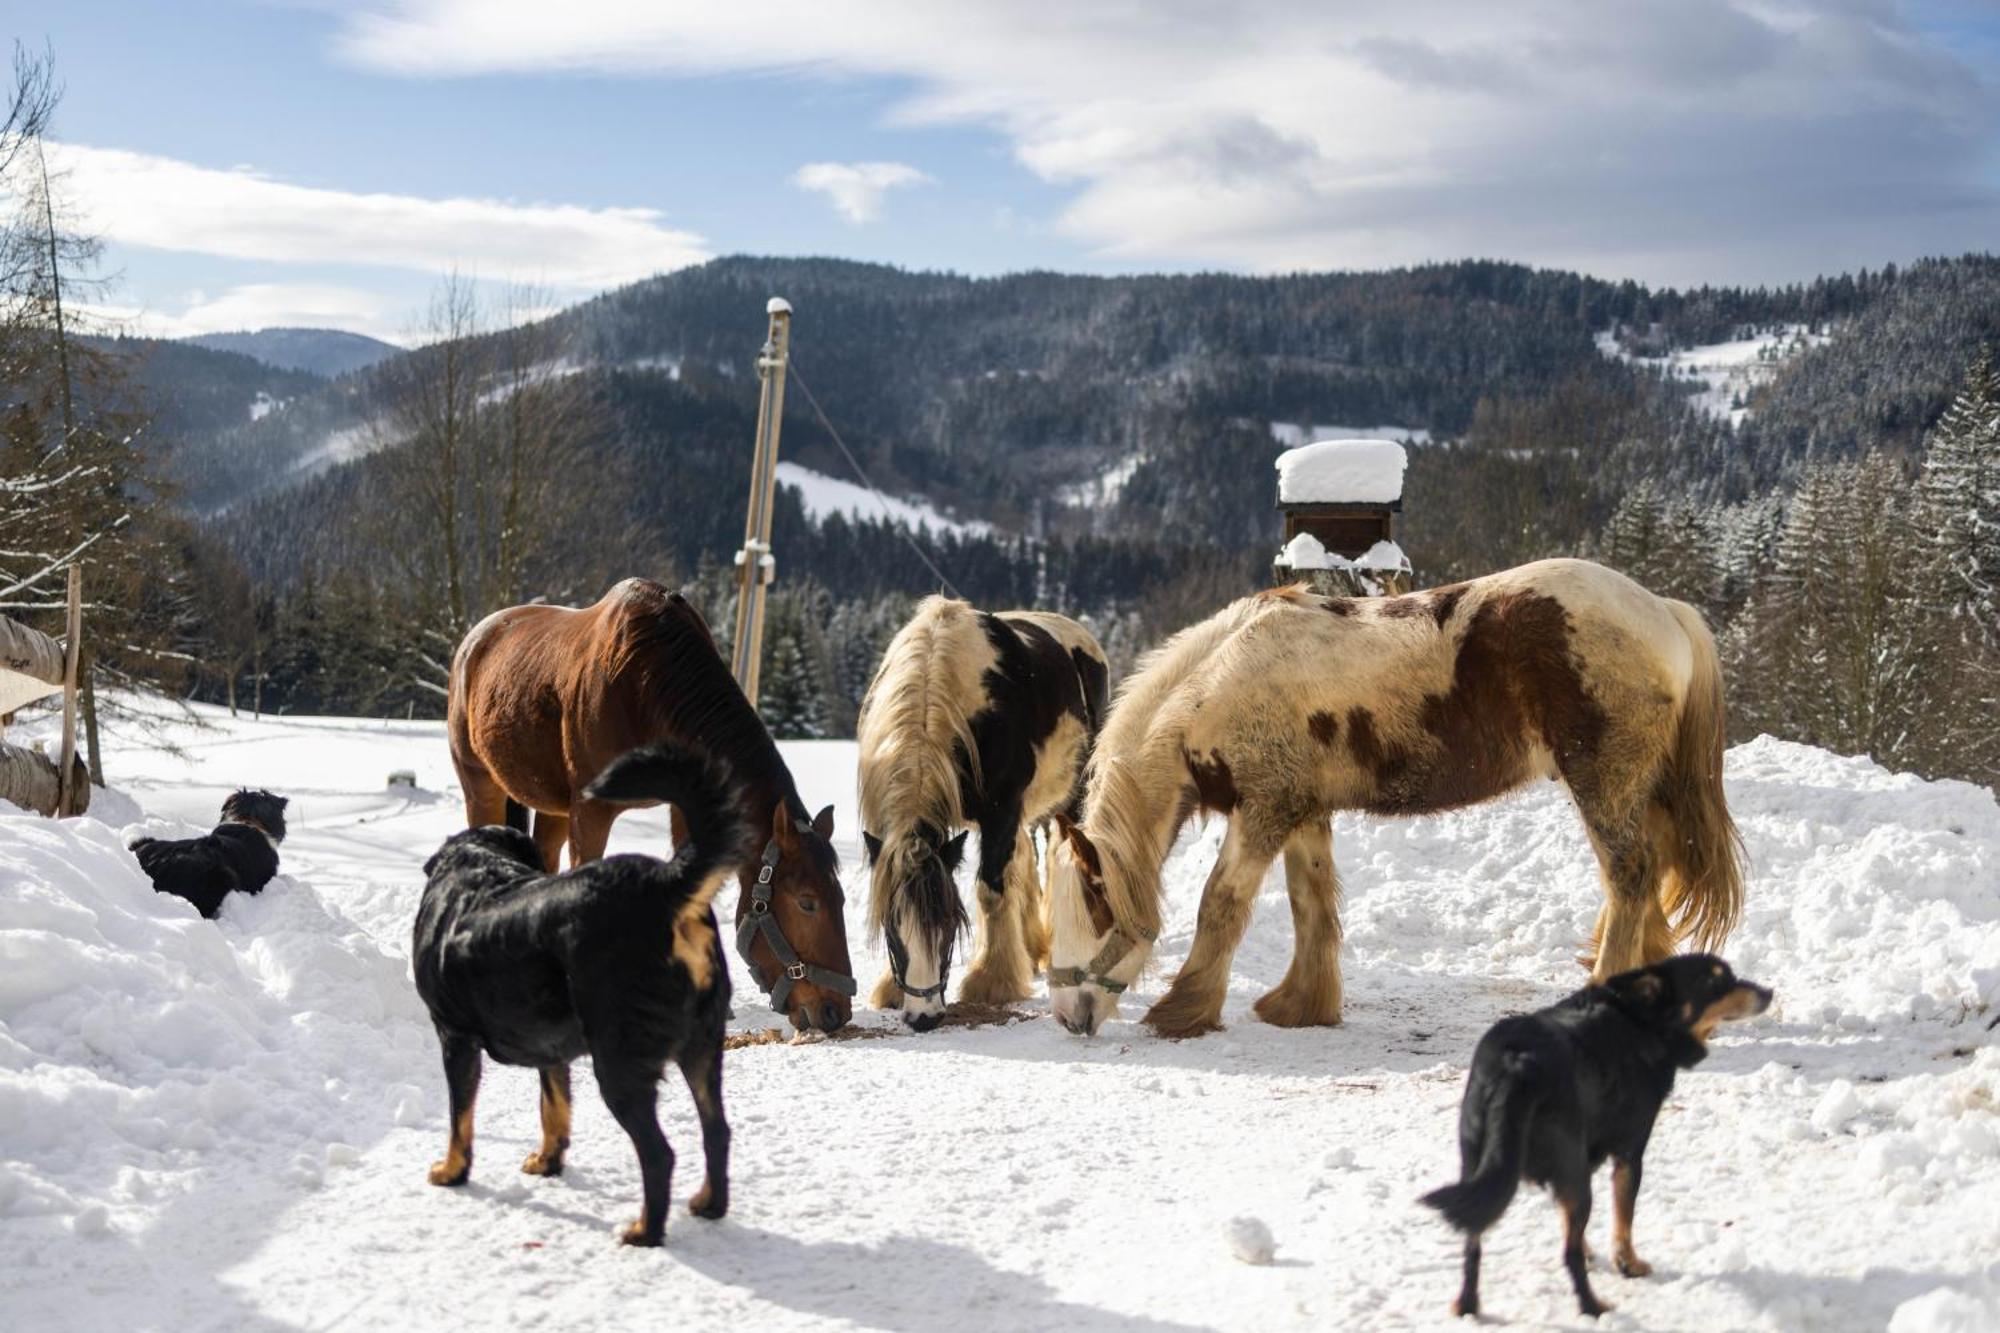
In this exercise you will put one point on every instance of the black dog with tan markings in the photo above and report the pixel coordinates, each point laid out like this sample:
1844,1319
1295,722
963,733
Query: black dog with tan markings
618,959
1553,1093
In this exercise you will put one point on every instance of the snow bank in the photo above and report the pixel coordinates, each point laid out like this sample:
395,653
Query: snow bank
145,1053
1356,471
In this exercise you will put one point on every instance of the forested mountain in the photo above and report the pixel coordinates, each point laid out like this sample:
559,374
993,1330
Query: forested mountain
323,352
1115,433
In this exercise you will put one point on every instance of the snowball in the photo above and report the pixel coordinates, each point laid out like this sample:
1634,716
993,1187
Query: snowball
1839,1105
1250,1240
1355,471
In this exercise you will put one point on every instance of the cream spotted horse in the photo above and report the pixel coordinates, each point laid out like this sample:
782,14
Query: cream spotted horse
973,719
1286,706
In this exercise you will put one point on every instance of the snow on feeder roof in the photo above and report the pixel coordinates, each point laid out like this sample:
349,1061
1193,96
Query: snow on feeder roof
1342,472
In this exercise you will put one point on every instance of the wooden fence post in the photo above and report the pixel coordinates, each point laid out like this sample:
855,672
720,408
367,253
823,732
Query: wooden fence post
66,802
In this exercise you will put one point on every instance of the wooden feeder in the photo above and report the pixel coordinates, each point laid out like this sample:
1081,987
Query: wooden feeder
1340,499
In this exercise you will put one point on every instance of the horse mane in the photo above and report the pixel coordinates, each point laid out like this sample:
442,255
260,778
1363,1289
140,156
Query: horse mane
1137,792
915,722
686,691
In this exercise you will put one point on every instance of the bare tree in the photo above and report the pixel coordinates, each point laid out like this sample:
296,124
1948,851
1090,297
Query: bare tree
485,442
69,461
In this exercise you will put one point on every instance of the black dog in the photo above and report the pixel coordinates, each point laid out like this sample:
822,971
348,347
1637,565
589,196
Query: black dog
240,855
619,959
1553,1093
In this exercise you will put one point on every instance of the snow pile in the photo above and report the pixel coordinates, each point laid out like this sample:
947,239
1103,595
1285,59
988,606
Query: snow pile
1342,471
1878,893
1950,1310
824,496
1307,552
1730,372
147,1055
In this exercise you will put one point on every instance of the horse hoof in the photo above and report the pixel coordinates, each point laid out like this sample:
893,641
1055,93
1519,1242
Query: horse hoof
1175,1027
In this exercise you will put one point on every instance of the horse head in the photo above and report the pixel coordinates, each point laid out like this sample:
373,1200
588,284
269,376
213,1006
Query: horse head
1092,958
792,924
921,915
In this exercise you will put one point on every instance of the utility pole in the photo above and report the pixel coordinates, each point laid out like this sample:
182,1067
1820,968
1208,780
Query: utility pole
754,566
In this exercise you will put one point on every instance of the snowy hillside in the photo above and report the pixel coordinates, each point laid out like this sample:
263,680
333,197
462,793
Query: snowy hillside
226,1125
1728,373
824,496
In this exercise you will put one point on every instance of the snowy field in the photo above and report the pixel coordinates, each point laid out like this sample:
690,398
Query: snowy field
226,1125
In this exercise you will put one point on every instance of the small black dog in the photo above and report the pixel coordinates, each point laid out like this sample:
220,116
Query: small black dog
240,855
1553,1093
618,959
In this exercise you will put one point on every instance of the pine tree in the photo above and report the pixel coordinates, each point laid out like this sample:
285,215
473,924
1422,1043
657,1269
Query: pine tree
1957,521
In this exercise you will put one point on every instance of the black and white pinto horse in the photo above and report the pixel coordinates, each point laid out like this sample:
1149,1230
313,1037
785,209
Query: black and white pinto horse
982,719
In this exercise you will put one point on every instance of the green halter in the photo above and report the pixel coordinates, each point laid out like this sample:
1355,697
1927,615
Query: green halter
1113,953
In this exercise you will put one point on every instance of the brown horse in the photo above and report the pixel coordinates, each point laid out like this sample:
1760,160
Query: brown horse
544,697
1285,707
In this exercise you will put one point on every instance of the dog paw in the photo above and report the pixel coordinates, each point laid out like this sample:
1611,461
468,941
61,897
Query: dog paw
708,1203
1593,1308
636,1233
1631,1265
1463,1309
539,1164
444,1173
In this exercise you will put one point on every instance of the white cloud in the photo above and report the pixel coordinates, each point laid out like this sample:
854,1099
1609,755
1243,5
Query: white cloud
142,200
1668,139
262,305
856,188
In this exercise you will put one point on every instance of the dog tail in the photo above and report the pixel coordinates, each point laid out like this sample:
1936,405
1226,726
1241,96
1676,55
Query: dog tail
700,786
1702,890
1476,1202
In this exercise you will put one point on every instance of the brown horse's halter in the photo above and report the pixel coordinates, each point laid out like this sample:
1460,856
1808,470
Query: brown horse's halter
1098,970
762,920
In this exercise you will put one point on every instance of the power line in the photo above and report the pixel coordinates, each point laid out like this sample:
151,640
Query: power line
861,472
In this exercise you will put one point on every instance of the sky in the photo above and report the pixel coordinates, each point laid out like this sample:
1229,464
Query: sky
252,163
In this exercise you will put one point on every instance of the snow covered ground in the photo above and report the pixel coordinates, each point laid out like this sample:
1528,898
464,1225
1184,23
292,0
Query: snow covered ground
1729,372
824,495
226,1125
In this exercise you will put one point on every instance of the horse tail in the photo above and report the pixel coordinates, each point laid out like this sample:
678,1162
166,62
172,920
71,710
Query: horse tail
711,806
517,815
1505,1114
1702,889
